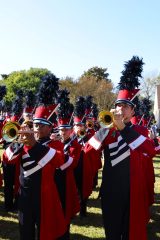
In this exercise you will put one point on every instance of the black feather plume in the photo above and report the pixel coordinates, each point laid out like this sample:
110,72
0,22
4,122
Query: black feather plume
29,100
65,108
145,107
88,103
131,74
48,90
17,105
94,110
62,96
3,92
80,106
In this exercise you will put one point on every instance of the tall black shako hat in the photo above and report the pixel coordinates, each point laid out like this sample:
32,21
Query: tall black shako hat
129,81
79,110
64,110
46,98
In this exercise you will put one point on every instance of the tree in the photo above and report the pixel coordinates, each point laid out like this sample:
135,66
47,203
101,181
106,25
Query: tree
148,86
23,80
95,82
98,73
71,85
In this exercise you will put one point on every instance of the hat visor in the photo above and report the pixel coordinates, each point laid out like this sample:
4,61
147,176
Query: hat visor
124,101
65,126
42,121
78,123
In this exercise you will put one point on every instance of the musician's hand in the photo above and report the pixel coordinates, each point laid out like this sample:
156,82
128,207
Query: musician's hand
55,137
27,136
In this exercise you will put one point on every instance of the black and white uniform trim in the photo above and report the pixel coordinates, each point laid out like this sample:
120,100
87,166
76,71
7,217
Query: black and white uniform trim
30,164
120,149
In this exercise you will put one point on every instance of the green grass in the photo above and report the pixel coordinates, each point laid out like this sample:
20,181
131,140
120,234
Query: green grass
91,226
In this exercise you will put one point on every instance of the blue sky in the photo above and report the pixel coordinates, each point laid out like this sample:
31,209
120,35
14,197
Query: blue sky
70,36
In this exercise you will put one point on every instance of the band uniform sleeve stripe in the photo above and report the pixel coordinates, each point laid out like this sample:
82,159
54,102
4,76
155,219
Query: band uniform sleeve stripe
67,164
94,143
136,143
50,154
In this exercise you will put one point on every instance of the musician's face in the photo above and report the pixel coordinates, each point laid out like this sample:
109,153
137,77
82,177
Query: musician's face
65,133
42,129
127,111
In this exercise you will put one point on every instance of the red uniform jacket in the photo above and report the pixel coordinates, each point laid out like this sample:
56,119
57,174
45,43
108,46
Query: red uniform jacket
53,223
91,164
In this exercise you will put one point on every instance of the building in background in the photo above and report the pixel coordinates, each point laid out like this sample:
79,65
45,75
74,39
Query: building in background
157,106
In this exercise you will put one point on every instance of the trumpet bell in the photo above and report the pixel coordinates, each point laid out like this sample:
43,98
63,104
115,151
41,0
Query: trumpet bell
105,118
81,133
10,131
89,124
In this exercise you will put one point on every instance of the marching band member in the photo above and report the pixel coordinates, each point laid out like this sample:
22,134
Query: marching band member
85,170
39,203
124,189
11,171
64,177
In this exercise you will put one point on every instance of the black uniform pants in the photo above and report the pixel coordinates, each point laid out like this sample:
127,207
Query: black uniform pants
78,173
9,181
115,212
29,217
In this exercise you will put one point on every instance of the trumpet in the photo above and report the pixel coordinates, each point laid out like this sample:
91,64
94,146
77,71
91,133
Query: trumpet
81,133
105,118
89,124
11,130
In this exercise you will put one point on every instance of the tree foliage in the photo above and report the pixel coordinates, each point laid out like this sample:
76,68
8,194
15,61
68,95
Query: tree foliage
98,73
22,80
148,86
93,82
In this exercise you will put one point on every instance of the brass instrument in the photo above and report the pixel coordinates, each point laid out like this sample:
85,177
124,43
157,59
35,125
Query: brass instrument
105,118
11,130
89,124
81,133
